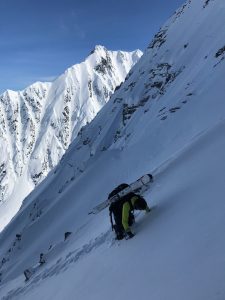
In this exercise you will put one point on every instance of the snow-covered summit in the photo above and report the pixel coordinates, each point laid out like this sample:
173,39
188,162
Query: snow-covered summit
166,118
38,124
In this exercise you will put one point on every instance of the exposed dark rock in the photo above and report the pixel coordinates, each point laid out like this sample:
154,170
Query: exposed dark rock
67,234
117,100
128,111
105,65
159,39
174,109
220,52
206,3
162,109
18,236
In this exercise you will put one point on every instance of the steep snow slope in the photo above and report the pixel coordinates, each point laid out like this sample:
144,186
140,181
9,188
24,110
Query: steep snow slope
38,124
177,253
167,118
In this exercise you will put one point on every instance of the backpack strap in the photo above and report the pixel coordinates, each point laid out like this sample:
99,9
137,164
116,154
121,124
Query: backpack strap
111,218
131,195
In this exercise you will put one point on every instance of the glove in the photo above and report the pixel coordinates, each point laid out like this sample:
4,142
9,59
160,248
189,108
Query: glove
129,235
147,209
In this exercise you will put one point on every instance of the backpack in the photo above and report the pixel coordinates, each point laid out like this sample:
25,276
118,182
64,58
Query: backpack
116,208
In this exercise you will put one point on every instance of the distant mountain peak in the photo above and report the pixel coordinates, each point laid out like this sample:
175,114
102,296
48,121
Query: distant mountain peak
167,118
38,123
98,48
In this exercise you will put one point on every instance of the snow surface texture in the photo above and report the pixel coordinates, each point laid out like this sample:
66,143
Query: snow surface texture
38,124
167,118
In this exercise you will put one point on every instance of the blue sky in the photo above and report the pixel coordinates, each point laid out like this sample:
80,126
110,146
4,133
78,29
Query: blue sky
40,39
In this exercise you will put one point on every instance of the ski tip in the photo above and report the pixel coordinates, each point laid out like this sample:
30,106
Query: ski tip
145,179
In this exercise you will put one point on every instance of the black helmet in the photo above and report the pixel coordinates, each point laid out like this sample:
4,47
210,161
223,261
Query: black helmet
140,203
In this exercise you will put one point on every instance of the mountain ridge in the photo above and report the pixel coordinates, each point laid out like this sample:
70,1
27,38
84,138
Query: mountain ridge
167,118
38,123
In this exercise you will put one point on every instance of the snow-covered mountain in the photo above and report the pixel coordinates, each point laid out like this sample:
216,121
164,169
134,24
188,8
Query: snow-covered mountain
168,118
38,124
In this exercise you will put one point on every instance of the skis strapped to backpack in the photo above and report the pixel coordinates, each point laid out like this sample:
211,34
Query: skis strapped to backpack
136,186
